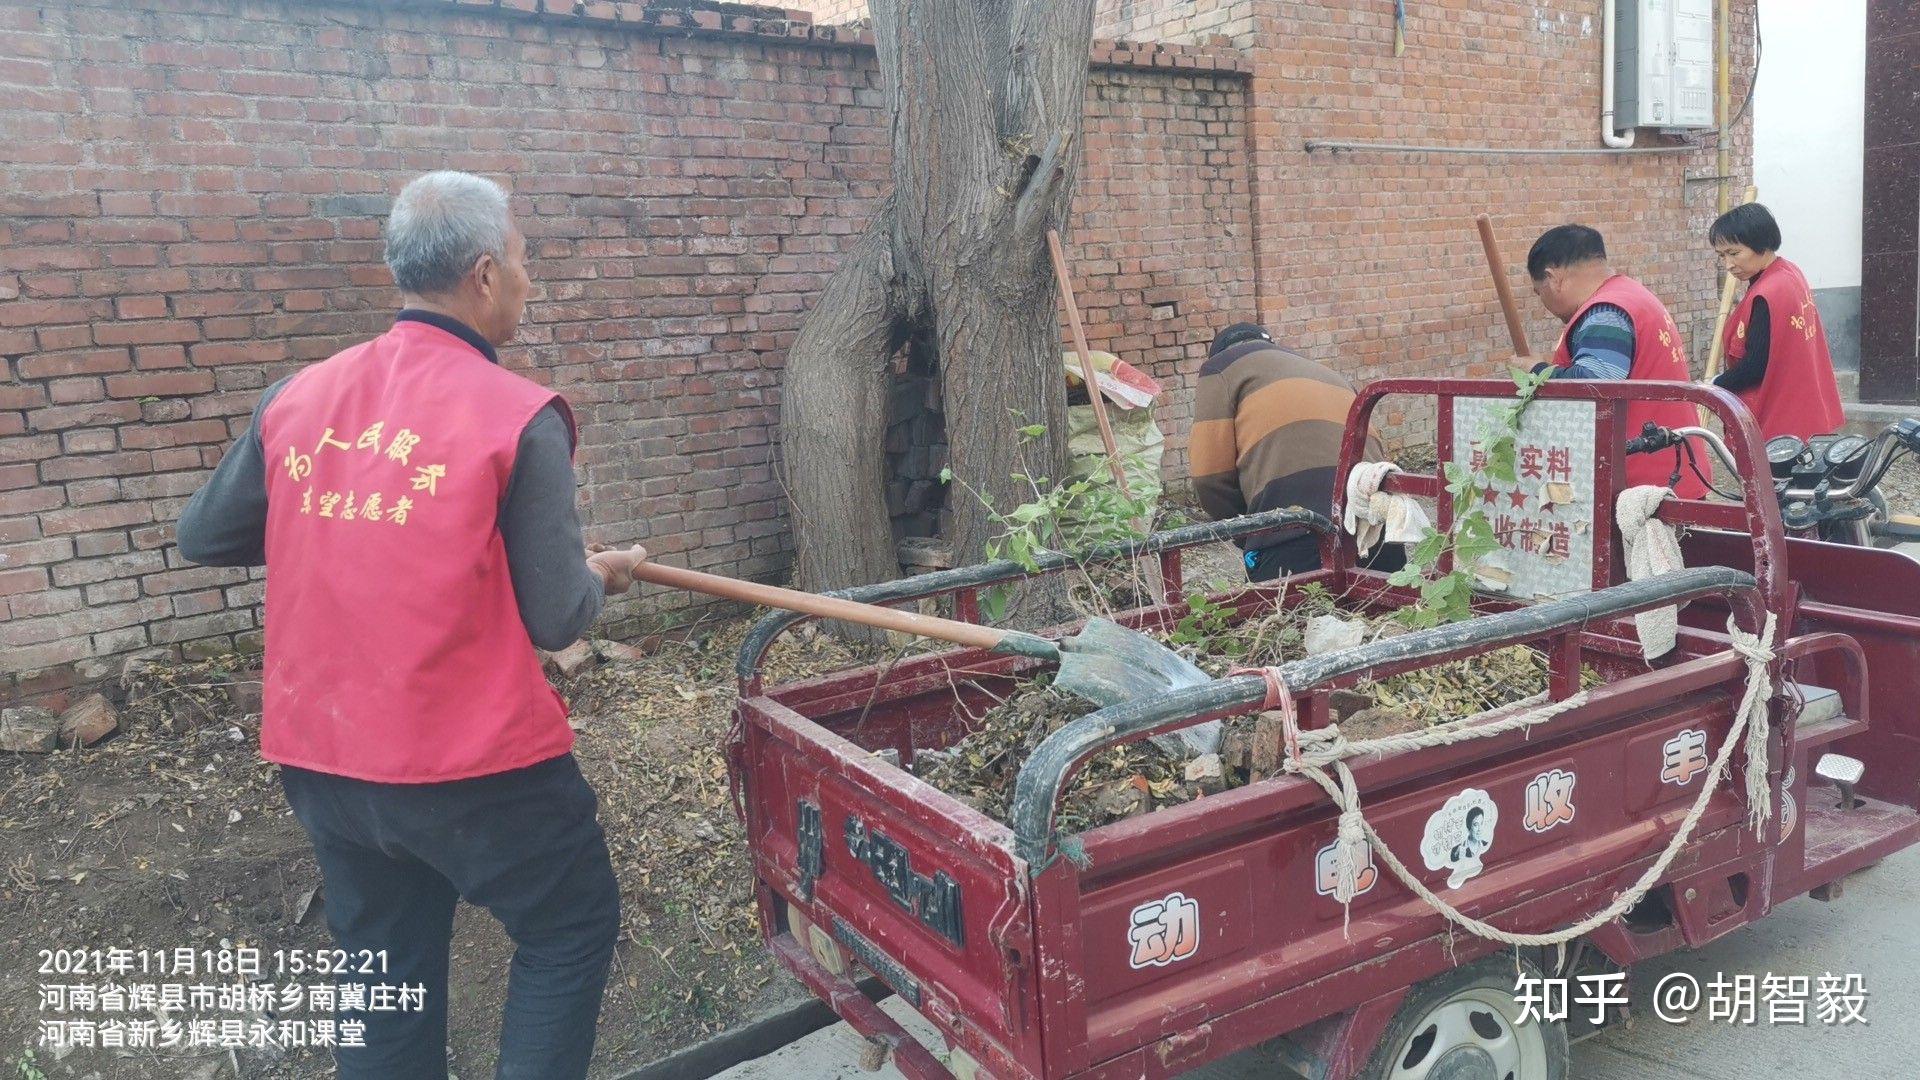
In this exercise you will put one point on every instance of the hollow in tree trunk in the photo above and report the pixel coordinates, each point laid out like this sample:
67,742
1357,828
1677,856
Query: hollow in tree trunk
985,100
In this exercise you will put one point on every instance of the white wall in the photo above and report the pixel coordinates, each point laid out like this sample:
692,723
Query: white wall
1809,112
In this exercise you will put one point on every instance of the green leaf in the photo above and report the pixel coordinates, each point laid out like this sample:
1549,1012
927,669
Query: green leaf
946,474
1405,576
1034,431
993,603
1429,548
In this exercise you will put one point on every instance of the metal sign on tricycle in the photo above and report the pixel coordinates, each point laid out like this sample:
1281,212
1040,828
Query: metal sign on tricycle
1544,519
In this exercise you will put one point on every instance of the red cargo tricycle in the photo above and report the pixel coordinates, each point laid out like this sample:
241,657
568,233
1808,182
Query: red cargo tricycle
1252,916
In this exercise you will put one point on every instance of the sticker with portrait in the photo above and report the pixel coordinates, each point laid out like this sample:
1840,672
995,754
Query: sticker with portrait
1459,835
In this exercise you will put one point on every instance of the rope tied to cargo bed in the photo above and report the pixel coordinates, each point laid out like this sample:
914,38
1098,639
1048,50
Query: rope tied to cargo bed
1326,749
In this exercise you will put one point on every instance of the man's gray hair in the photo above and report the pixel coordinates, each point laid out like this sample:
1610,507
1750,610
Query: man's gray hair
440,224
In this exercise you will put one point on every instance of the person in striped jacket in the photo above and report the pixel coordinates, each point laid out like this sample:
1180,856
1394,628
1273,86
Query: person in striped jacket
1266,436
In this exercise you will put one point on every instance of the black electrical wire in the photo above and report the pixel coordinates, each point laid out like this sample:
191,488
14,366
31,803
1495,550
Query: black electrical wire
1693,463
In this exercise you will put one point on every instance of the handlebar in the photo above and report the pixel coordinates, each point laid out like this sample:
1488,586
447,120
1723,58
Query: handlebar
1903,435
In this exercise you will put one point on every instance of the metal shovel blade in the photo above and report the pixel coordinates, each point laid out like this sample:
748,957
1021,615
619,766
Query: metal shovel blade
1106,663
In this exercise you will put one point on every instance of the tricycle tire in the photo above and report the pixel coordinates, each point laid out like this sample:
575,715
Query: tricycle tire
1465,1025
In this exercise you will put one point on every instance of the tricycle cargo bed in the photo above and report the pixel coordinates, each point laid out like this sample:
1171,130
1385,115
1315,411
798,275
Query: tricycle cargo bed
1154,944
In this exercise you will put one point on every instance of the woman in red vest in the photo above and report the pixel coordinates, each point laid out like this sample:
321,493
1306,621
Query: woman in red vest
1776,348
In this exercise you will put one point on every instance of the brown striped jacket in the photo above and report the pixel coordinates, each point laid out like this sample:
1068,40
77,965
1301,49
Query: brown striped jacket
1266,433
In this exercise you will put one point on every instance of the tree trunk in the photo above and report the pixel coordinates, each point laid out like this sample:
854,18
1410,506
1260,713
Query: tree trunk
985,98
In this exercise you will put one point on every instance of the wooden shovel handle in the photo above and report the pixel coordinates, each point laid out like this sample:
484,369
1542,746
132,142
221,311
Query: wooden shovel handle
1516,329
827,607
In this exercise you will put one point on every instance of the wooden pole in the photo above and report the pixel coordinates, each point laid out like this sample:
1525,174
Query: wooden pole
1150,569
1086,362
1516,330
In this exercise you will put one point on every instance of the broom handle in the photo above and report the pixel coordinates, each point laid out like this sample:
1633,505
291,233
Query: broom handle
1717,349
826,607
1516,330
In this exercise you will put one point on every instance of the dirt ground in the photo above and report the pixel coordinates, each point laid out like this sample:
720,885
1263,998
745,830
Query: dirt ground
157,840
173,833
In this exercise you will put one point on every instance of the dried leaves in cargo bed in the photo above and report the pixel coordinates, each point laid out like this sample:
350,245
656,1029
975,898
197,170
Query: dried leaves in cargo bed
1116,783
1135,778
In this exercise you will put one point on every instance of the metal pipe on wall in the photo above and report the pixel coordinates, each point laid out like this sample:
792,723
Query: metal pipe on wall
1609,135
1726,93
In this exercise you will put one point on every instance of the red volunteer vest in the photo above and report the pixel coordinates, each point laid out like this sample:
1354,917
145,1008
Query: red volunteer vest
1799,395
1658,354
395,650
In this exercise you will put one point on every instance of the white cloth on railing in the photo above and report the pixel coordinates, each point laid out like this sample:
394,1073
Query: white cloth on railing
1371,512
1652,549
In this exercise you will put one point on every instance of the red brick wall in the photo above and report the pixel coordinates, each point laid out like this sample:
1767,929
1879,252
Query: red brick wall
1370,260
1186,21
192,207
1162,228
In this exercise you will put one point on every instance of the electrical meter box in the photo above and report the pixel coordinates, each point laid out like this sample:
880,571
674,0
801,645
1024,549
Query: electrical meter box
1663,64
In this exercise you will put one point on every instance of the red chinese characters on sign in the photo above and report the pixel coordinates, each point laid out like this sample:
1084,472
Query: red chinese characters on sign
1549,800
1163,931
1683,757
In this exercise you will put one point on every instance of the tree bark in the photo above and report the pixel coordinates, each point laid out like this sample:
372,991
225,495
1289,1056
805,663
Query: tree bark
985,99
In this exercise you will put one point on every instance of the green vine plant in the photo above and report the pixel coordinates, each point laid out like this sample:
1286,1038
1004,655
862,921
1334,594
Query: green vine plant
1448,597
1065,517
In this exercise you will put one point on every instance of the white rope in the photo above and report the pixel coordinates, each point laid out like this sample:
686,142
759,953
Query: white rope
1749,724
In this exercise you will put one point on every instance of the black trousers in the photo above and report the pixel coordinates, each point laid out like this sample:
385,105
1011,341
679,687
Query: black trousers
527,846
1302,553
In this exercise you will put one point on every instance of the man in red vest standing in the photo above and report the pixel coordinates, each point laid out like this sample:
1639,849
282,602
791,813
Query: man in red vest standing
1616,329
1777,359
413,502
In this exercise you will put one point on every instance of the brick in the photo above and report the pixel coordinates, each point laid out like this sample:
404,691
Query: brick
91,571
151,332
27,729
140,307
58,338
30,500
87,722
160,384
195,577
82,362
72,391
93,518
99,544
40,657
93,414
37,447
30,579
77,468
22,397
156,436
18,476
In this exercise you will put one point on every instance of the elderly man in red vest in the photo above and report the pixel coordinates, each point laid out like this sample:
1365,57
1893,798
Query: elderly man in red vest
1616,329
413,502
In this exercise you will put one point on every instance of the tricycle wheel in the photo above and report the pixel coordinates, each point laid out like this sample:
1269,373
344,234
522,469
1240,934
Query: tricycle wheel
1466,1025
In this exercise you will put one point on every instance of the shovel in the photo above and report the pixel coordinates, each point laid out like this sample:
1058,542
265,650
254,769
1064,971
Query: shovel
1105,663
